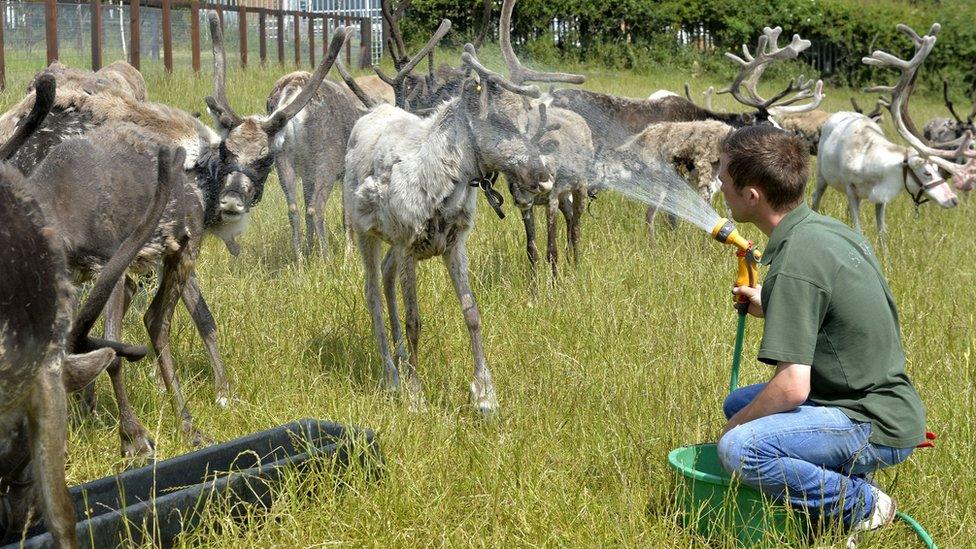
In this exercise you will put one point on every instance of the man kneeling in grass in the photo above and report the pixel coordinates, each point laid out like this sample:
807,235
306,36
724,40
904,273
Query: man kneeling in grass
839,404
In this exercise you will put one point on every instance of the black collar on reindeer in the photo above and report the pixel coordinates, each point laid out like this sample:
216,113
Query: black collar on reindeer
918,198
486,179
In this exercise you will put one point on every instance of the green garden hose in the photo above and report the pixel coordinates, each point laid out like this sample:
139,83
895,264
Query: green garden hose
922,534
740,332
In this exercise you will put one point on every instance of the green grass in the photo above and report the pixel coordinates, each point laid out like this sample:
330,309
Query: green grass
599,377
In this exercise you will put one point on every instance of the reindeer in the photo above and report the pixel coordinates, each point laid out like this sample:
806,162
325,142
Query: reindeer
613,120
854,157
409,183
42,353
117,77
312,146
567,148
947,130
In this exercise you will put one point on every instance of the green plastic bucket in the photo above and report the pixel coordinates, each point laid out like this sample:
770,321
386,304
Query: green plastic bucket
725,510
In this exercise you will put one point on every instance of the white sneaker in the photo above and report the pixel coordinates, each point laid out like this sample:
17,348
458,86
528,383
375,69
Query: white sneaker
882,515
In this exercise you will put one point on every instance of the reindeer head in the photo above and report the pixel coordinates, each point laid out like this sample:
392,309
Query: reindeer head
752,68
922,158
504,129
246,152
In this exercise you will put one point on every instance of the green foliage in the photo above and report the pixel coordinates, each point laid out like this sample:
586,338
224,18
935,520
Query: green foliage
635,34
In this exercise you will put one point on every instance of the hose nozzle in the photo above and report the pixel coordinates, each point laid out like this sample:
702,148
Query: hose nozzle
726,233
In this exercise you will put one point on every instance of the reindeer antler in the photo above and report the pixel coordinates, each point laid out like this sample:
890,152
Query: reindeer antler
948,102
217,102
518,73
280,117
485,23
469,58
900,93
404,70
544,126
752,68
396,38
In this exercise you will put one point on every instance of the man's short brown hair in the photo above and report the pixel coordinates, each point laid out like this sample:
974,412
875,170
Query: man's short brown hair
771,159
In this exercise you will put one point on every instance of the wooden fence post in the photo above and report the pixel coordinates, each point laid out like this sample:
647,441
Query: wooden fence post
51,23
281,36
167,37
134,45
195,35
220,13
263,34
242,32
298,39
311,40
365,43
96,34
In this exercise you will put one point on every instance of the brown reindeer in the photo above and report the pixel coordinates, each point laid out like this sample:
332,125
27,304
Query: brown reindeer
42,354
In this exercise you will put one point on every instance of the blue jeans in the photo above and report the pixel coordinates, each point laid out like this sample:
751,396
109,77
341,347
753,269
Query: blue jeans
813,457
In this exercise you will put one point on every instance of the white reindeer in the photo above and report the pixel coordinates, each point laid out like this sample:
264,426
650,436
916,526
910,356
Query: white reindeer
409,183
855,158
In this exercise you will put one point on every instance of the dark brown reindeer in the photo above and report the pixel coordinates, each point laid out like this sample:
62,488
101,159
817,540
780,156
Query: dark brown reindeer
614,120
42,354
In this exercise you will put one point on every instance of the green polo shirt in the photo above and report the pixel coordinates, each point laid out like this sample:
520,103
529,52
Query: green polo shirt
827,305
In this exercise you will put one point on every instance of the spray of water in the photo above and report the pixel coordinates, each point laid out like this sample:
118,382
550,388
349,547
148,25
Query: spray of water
657,184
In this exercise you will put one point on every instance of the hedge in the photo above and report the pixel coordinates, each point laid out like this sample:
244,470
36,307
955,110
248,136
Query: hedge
636,33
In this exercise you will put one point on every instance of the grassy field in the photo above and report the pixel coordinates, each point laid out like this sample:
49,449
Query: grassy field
599,376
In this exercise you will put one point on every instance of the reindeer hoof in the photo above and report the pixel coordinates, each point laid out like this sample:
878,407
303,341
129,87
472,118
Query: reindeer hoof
196,439
391,379
139,448
484,400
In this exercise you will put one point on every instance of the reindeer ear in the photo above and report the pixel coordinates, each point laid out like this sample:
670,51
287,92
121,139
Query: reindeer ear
77,371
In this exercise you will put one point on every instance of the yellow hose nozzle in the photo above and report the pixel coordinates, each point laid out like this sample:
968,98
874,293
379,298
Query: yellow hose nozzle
725,232
747,273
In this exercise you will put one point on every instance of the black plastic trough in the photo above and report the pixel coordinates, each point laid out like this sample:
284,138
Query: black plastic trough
165,499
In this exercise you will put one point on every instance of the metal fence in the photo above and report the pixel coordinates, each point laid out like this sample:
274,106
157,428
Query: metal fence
172,32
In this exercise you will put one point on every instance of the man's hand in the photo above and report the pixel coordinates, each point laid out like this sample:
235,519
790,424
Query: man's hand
754,296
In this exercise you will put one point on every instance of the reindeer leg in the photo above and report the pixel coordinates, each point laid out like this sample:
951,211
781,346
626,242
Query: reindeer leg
369,248
207,328
566,208
528,220
552,252
310,188
818,191
579,206
390,267
408,284
649,218
325,181
136,442
158,318
286,176
48,427
879,215
482,389
854,203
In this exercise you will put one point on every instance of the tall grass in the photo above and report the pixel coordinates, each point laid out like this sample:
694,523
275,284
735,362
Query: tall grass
600,375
